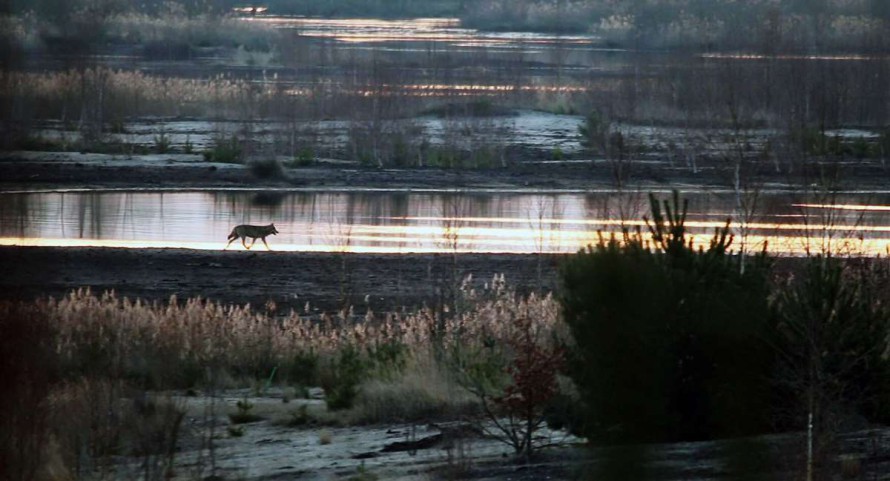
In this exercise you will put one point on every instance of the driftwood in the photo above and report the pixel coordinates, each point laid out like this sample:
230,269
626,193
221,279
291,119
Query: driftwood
449,432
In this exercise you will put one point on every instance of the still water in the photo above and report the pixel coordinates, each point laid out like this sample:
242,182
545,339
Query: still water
431,222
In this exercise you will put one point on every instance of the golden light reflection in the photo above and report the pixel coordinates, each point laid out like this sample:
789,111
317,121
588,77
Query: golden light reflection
250,10
415,239
859,207
426,30
710,225
409,223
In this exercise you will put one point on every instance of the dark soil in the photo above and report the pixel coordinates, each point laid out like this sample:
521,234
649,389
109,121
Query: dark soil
327,282
131,173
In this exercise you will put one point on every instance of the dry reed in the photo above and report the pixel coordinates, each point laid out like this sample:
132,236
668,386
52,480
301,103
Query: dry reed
161,343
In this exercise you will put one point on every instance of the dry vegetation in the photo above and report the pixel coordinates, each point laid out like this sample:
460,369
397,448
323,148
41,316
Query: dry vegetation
88,382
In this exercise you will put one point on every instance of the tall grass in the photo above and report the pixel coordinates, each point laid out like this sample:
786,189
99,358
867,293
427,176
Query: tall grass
171,344
84,367
193,31
117,94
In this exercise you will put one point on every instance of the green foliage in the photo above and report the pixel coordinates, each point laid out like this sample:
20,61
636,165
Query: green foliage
861,148
595,132
244,414
267,169
514,382
833,338
236,431
303,369
444,157
814,142
481,369
226,150
304,158
341,384
162,143
362,474
343,377
669,339
299,417
388,359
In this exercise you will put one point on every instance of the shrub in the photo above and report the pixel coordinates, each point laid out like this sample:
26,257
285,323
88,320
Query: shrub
299,417
424,390
267,169
388,358
226,150
669,339
244,414
513,380
304,158
162,143
833,335
302,369
595,132
344,376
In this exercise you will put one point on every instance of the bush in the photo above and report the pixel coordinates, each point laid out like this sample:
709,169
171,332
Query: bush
304,158
833,338
244,414
226,150
341,384
669,339
267,169
302,369
423,391
594,132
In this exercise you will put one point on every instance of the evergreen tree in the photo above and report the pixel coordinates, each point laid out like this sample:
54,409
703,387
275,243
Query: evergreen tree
669,338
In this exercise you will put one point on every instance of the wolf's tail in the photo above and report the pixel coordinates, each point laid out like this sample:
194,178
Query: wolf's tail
233,235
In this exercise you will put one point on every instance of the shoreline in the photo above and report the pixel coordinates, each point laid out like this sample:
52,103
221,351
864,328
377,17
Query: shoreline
328,282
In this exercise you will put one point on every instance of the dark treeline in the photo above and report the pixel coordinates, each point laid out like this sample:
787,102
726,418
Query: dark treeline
786,25
802,25
680,343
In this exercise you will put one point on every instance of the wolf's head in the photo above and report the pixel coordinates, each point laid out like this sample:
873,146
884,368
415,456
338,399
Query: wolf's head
272,229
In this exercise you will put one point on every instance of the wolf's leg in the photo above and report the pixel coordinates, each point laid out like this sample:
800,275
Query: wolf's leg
244,243
267,245
252,242
230,243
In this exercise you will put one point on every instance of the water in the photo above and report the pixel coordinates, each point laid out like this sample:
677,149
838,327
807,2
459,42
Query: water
426,222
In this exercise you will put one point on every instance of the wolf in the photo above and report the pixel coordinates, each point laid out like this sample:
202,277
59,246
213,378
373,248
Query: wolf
253,231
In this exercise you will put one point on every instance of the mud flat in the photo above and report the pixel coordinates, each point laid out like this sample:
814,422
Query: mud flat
326,282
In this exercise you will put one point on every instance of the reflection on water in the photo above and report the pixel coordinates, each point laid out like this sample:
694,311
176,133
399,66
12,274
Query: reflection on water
373,30
455,90
401,222
752,56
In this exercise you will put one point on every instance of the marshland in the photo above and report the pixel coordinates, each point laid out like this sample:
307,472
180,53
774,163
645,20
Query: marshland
563,239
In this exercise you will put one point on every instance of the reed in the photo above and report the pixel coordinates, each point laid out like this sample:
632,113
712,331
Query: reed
118,94
171,344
